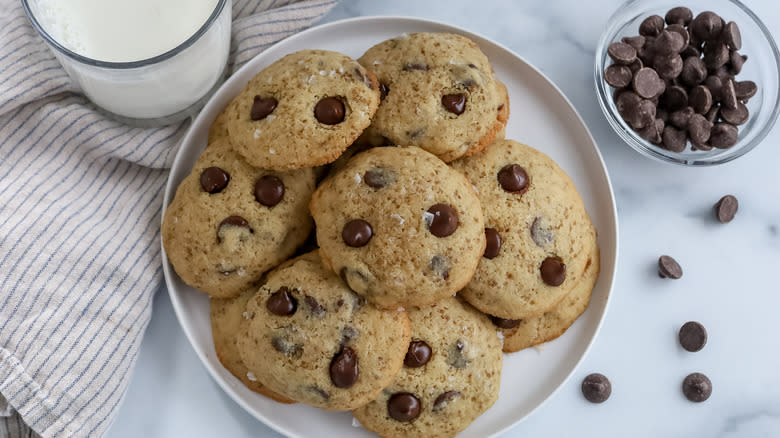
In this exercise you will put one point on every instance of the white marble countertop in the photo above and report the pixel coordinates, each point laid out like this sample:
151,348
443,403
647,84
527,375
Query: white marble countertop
730,282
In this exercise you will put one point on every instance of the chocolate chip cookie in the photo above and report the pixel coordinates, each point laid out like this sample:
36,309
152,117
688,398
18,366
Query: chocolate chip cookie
451,375
524,333
303,110
226,315
400,226
438,92
230,222
218,127
310,338
539,236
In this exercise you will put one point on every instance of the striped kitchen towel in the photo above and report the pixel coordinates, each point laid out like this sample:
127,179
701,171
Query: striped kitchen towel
80,204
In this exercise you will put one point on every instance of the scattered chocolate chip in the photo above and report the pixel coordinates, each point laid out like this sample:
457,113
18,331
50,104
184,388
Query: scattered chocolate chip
553,271
726,208
444,399
618,76
314,307
697,387
411,66
679,15
723,135
403,407
707,26
214,180
456,355
596,388
736,116
680,118
699,128
731,36
637,42
282,303
287,347
651,26
674,98
262,107
454,103
669,268
379,177
744,90
269,190
357,233
493,245
694,71
444,221
232,222
674,139
648,84
344,371
669,67
700,99
329,111
418,354
505,323
383,90
729,95
621,53
440,265
513,178
692,336
716,54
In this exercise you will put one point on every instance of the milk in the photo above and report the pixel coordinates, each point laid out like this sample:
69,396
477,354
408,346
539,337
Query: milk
133,31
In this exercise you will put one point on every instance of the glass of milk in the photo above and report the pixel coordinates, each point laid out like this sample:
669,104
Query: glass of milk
145,62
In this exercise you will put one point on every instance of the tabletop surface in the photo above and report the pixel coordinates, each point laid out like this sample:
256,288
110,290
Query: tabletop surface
730,282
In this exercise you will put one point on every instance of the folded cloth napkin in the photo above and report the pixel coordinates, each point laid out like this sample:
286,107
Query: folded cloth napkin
80,204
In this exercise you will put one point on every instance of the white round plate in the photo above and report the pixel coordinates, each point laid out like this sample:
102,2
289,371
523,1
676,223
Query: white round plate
540,116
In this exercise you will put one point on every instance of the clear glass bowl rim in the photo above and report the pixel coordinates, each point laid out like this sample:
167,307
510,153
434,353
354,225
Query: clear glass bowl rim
653,151
124,65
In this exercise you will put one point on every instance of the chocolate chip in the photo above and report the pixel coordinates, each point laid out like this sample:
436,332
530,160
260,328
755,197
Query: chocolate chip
314,307
690,51
403,407
699,128
411,66
357,233
713,114
379,177
262,107
596,388
700,146
736,60
329,111
729,95
281,302
505,323
736,116
668,43
493,245
723,135
697,387
513,178
456,355
269,190
662,114
444,399
731,36
214,180
646,54
715,84
348,333
694,71
679,15
344,371
634,41
674,139
232,222
680,118
287,347
653,131
716,54
440,265
418,354
635,66
621,53
444,220
651,26
700,99
707,26
668,67
744,90
726,208
680,29
454,103
669,268
553,271
644,114
674,98
723,72
383,90
692,336
647,84
618,76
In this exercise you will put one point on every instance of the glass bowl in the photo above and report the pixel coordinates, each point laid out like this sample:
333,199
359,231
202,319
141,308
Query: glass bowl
762,67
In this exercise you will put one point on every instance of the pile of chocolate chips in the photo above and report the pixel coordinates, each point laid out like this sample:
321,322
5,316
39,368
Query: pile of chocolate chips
675,82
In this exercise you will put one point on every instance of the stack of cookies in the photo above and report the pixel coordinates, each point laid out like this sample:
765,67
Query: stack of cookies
369,240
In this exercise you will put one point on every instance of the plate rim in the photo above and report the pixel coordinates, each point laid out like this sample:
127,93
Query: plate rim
170,191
